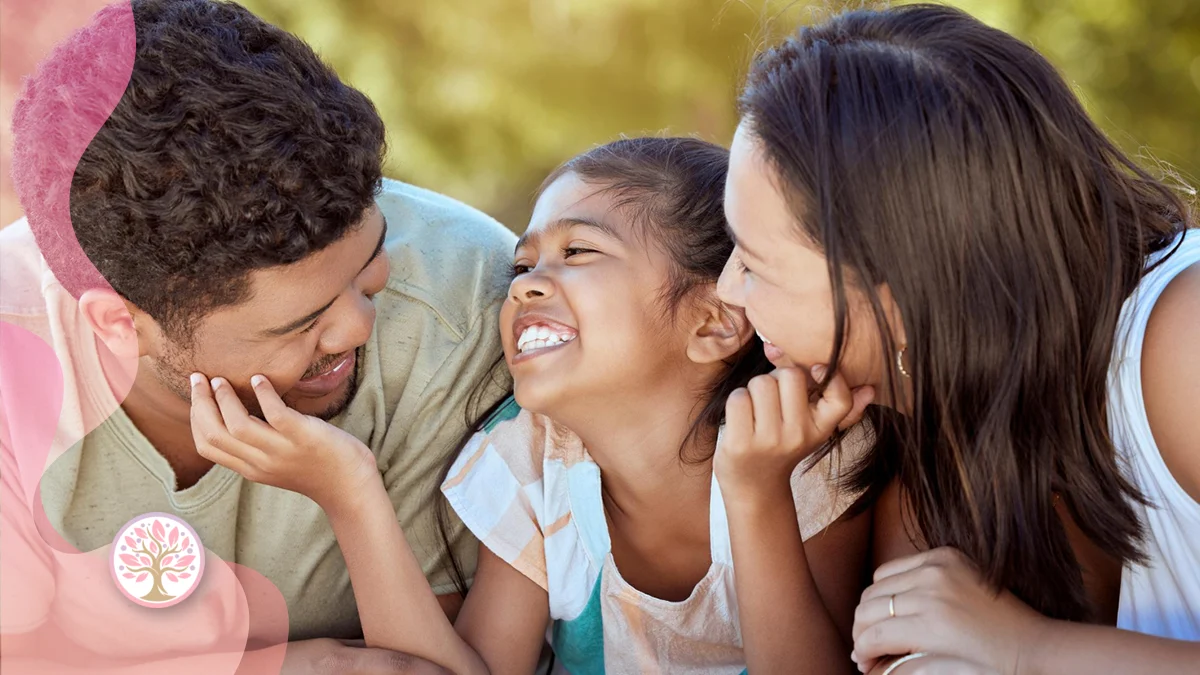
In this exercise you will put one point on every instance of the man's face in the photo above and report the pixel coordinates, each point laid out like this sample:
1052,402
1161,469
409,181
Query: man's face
301,327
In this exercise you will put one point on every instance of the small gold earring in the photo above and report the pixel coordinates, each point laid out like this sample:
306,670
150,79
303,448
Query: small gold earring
900,362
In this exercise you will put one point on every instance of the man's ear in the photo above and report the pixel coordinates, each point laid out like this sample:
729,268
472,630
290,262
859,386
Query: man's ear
112,319
719,334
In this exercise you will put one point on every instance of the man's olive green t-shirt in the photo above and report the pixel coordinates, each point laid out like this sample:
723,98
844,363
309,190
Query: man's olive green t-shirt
435,341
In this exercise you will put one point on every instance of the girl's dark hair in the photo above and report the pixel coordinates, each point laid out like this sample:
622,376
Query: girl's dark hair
922,149
674,190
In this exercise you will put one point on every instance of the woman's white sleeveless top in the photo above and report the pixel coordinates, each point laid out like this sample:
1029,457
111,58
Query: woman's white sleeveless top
1161,597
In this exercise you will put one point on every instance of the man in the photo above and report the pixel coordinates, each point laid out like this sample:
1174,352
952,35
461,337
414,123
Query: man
230,219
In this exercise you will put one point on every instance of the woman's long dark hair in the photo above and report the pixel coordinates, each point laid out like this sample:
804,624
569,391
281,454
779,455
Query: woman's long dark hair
922,149
674,189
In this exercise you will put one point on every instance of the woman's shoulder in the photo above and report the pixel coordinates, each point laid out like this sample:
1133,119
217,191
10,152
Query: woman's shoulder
1170,373
817,484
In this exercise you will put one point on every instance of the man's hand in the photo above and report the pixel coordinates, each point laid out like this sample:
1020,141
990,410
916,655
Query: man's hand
326,656
288,450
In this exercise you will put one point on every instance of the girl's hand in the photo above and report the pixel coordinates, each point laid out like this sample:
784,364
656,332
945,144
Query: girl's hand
936,601
289,450
771,426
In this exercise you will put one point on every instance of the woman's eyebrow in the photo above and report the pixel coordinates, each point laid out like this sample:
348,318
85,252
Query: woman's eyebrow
742,245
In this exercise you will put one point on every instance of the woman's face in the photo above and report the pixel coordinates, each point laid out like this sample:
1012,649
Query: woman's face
782,280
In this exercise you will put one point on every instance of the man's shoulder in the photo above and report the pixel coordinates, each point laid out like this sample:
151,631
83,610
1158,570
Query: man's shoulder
445,255
22,271
429,220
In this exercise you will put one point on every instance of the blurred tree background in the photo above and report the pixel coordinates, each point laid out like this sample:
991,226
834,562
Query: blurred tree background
483,98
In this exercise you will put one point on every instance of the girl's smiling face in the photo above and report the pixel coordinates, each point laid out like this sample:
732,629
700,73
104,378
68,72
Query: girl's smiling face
585,319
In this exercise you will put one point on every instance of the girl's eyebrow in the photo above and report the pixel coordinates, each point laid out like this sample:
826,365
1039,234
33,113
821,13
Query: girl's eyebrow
566,224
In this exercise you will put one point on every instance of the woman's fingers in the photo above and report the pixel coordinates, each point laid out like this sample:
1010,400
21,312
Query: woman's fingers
894,585
833,406
901,635
942,665
877,609
901,565
862,397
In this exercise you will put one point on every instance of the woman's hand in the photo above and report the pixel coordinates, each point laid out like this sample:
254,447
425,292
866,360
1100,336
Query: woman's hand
289,450
936,601
771,426
931,664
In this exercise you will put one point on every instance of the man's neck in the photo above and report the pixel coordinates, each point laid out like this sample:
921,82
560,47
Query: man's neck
165,420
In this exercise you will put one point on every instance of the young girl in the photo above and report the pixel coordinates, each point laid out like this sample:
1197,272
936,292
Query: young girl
612,506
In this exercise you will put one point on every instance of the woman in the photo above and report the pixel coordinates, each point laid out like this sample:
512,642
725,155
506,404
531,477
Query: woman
921,203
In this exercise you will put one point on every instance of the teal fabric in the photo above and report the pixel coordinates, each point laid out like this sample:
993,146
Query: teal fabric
507,411
579,643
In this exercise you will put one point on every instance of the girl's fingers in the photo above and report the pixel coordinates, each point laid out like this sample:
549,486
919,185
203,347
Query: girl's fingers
833,406
739,417
793,400
276,412
764,395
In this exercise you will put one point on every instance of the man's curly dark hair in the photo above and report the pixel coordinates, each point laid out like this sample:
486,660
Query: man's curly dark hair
234,148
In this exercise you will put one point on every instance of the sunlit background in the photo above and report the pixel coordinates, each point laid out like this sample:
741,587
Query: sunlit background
482,98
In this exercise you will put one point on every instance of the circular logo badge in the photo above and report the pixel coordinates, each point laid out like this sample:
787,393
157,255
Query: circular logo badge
157,560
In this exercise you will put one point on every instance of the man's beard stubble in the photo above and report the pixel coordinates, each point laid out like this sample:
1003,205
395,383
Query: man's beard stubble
174,372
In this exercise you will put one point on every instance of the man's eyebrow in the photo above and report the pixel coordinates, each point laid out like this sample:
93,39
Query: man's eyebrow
567,223
305,320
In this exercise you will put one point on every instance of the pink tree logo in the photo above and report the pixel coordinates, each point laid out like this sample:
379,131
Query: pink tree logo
157,560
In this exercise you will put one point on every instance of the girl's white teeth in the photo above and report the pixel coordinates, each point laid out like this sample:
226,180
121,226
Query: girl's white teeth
760,337
540,337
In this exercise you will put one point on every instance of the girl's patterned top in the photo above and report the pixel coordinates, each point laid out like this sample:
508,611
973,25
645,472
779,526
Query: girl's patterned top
528,490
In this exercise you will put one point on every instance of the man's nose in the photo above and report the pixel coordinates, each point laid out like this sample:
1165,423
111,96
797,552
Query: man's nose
353,325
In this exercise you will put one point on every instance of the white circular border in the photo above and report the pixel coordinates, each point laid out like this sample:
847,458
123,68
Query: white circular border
114,561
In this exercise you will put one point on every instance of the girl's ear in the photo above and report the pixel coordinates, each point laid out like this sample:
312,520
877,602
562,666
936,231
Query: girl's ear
719,334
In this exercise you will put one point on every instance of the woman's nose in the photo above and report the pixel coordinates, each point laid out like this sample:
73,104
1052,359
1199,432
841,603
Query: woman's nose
729,287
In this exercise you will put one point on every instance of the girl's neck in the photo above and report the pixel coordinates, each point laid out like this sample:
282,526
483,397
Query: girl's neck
638,443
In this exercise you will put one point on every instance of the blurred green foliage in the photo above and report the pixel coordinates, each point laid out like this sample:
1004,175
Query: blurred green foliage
482,98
